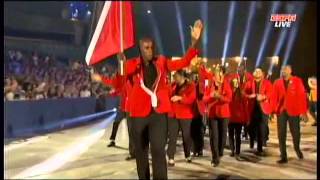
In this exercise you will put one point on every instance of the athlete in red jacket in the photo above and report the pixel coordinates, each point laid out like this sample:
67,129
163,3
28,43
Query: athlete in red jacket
149,102
290,104
183,99
121,87
238,115
243,77
260,91
219,112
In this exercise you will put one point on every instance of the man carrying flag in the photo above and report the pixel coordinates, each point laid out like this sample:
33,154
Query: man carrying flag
150,102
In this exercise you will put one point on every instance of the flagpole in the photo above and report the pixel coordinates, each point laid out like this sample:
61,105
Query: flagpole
121,38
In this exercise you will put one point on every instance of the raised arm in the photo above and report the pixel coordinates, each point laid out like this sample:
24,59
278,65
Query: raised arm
196,31
183,62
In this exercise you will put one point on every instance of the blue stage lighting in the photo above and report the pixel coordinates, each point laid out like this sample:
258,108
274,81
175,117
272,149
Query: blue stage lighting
180,26
252,11
292,36
275,7
229,28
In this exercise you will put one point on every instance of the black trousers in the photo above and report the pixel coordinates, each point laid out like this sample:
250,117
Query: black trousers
234,130
197,134
151,129
119,117
294,125
258,128
313,109
173,129
218,133
245,131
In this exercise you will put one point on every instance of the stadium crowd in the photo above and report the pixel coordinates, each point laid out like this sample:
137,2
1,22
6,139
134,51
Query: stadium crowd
31,76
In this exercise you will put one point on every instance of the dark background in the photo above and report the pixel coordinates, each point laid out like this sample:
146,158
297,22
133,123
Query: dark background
302,56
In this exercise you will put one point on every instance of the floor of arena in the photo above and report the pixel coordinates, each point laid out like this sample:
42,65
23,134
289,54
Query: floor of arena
82,153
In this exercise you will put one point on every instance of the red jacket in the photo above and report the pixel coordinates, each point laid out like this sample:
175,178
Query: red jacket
203,89
140,101
293,100
184,109
239,105
221,108
121,86
264,89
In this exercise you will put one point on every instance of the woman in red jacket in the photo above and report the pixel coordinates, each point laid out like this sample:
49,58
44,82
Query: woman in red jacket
183,98
218,100
237,119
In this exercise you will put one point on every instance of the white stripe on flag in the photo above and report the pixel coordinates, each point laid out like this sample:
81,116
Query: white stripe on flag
98,30
121,28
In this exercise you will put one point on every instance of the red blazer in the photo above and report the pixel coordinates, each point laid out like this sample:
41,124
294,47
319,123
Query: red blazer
264,89
238,109
239,104
221,108
184,109
294,100
203,90
121,86
140,101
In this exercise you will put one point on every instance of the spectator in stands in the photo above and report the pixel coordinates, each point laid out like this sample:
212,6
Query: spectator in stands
85,91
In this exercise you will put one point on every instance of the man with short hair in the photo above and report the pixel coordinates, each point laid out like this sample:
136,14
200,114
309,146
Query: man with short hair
149,102
259,90
290,104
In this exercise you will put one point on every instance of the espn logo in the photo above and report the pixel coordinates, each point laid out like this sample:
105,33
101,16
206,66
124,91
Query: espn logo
283,20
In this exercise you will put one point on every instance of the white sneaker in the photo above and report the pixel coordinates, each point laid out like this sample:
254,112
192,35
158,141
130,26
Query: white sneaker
171,162
188,159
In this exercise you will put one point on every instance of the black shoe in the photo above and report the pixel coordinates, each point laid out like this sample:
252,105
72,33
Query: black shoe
264,144
260,153
300,155
232,154
130,158
220,154
237,157
112,144
282,161
200,154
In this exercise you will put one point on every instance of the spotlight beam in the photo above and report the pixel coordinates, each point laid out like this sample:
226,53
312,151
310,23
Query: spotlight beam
248,27
155,29
204,17
284,32
281,39
229,27
179,20
293,34
274,8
